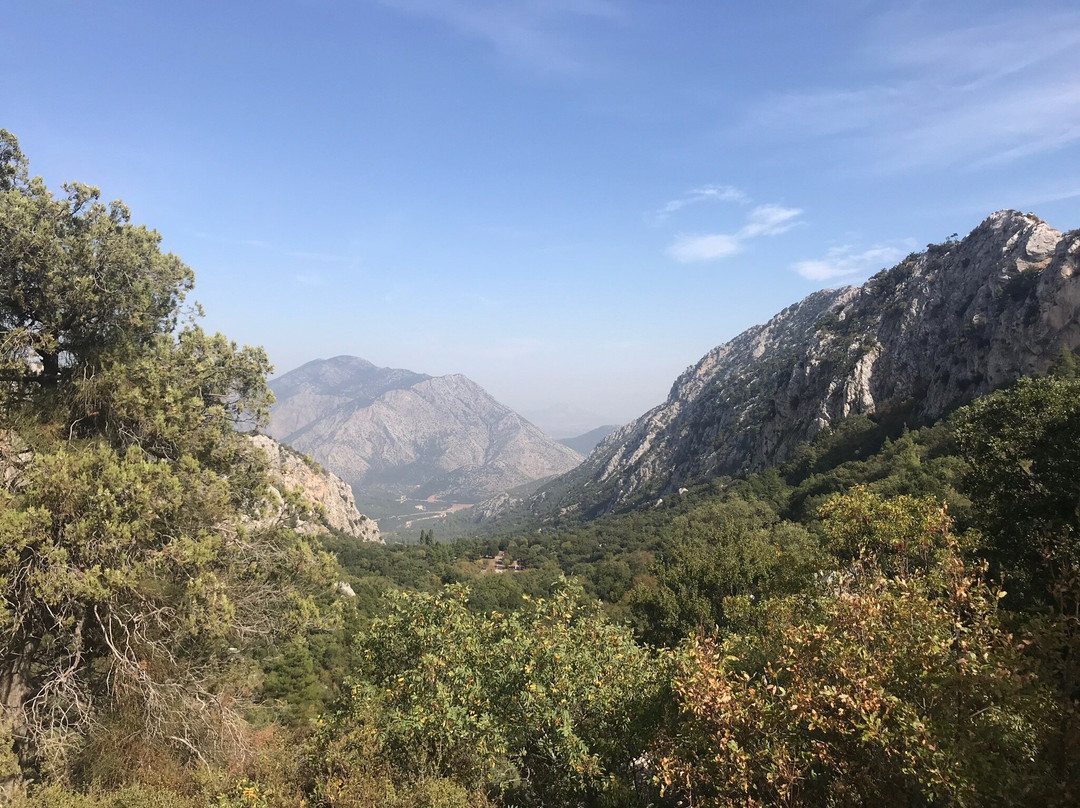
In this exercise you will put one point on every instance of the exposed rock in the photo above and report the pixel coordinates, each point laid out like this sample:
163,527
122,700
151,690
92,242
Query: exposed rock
330,497
494,506
944,326
443,437
15,456
345,588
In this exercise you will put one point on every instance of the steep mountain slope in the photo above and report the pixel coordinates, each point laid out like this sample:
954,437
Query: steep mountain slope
583,444
943,326
333,506
443,437
311,391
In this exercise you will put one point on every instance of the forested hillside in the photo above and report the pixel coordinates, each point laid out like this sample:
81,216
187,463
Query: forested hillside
888,618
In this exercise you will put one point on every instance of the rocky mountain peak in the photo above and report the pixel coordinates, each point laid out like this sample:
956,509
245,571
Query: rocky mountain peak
317,387
942,327
391,432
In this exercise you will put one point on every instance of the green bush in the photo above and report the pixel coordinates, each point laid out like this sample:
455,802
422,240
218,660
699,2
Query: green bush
549,705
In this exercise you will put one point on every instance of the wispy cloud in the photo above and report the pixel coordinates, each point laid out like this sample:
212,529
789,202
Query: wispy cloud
945,96
846,260
1042,197
764,220
532,32
691,249
769,220
320,257
706,193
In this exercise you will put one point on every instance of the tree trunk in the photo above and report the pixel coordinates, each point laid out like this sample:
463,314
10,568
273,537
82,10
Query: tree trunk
50,368
15,688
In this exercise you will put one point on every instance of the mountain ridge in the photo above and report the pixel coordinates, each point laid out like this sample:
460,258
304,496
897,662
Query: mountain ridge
941,327
403,433
307,392
587,441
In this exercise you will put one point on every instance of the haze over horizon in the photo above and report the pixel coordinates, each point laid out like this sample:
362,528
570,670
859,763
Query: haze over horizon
567,202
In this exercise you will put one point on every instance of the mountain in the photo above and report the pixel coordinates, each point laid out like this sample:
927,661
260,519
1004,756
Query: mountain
940,328
564,420
311,391
396,433
583,444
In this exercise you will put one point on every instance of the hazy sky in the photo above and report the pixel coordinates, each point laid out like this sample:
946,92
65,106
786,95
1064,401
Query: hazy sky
567,200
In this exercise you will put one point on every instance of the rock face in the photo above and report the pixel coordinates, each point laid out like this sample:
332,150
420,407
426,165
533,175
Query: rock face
942,327
332,500
419,436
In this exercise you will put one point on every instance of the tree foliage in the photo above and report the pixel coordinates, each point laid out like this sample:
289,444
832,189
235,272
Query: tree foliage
1023,449
550,704
132,574
1022,445
80,282
721,551
897,685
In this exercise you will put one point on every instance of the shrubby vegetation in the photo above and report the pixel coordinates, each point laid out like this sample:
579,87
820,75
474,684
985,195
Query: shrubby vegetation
549,704
133,592
893,681
890,618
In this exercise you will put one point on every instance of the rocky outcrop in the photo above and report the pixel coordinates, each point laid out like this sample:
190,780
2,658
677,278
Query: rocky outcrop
942,327
15,456
331,500
442,437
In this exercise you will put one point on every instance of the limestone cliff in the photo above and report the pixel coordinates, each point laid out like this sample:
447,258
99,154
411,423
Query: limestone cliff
942,327
331,499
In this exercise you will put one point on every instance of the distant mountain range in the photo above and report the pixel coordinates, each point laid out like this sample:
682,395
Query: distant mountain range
563,420
918,340
393,432
583,444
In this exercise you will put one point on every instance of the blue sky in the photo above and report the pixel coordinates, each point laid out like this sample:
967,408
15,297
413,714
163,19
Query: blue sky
567,200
